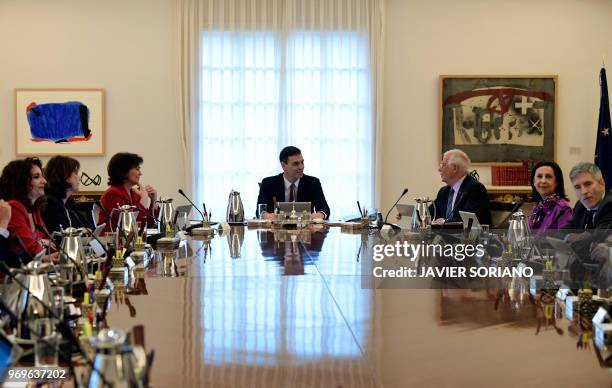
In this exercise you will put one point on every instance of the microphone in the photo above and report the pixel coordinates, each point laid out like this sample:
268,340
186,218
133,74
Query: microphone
99,204
181,192
387,216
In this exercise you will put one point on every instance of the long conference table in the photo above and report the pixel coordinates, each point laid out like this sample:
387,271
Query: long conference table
286,308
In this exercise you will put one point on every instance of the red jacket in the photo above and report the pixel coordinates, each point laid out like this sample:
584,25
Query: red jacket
116,194
21,225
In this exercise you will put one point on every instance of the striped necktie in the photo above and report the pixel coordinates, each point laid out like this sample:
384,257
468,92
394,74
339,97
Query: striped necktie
449,204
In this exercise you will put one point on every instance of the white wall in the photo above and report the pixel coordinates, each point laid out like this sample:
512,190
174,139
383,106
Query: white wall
425,39
129,48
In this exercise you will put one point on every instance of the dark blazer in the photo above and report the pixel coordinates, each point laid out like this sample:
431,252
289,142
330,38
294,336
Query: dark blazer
603,216
11,258
602,222
472,197
57,213
309,190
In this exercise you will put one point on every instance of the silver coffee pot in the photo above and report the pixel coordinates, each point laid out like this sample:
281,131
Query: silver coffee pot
24,302
114,360
72,246
519,236
421,218
518,230
166,212
126,222
235,209
235,238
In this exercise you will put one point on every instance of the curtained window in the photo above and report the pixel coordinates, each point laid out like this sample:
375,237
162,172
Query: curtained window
273,74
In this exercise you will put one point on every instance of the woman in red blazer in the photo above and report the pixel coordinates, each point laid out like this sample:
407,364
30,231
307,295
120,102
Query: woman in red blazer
124,172
22,185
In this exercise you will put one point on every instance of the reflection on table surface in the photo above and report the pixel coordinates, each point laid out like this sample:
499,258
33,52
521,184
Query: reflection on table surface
285,308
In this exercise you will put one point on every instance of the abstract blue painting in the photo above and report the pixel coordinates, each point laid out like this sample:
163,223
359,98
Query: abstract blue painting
59,122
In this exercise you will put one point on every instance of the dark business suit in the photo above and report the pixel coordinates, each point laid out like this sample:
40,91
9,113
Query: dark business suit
11,258
309,190
472,197
602,219
58,214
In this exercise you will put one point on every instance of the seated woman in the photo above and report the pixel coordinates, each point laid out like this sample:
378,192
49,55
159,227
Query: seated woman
125,189
62,174
22,185
552,210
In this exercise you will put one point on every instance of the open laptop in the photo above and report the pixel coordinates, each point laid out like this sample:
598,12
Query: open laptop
466,217
287,207
407,212
99,230
470,221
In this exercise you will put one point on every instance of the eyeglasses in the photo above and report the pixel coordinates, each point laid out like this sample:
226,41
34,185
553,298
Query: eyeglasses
442,164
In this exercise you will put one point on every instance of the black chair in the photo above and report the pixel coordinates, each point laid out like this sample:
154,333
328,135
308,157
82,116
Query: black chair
501,212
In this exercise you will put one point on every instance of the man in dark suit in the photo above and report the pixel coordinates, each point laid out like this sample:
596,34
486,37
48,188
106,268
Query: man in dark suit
462,191
594,207
292,186
592,217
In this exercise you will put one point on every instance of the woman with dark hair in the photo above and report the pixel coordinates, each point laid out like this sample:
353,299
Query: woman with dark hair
125,189
62,174
552,209
22,185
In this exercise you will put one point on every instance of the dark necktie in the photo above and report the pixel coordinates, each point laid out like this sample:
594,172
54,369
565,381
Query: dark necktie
292,192
590,215
449,204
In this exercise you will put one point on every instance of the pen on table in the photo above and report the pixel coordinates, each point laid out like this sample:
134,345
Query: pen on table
359,207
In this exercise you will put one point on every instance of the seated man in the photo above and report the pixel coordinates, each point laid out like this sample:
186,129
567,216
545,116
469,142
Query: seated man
461,193
592,218
594,207
292,186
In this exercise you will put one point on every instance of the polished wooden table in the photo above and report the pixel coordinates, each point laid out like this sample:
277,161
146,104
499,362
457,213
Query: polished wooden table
258,308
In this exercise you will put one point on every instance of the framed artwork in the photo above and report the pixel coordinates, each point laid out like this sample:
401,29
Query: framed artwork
499,119
59,121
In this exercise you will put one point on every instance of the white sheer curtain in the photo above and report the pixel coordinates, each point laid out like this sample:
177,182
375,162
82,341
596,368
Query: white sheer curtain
259,75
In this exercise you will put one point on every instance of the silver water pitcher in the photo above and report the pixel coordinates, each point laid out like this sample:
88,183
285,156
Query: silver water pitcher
114,360
421,219
166,212
235,239
518,231
235,209
126,222
24,302
72,246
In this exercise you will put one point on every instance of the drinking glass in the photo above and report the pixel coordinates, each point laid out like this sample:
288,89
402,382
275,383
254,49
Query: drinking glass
261,208
46,342
57,301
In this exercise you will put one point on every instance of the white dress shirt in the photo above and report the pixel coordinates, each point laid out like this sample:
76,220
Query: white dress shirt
455,188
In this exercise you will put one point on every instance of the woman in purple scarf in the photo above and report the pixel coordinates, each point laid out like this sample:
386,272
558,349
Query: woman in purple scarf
552,210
